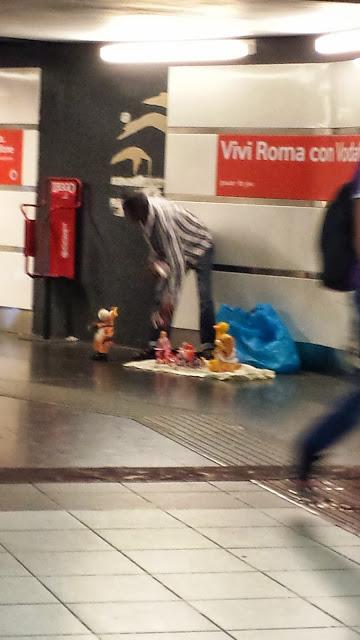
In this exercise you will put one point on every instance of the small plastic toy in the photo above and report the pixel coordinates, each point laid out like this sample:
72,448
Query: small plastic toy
225,358
104,333
186,356
163,349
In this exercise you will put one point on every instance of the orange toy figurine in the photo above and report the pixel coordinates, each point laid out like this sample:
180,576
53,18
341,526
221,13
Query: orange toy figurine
224,354
103,338
163,349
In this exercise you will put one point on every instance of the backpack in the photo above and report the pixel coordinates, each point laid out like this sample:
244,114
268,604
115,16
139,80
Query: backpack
336,241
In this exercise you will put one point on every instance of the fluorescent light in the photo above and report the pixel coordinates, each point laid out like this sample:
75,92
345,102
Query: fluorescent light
172,52
156,28
342,42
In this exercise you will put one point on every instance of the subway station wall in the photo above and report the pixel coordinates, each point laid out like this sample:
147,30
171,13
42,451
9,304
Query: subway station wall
20,90
266,251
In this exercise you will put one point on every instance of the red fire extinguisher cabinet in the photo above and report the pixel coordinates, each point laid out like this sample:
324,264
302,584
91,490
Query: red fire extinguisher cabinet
50,239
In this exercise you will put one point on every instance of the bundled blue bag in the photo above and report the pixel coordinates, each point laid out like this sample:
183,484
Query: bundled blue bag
262,339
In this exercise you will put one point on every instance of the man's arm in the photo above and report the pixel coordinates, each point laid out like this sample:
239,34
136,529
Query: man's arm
170,250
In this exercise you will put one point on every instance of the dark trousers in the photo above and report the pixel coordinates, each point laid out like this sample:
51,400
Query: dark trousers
207,313
335,425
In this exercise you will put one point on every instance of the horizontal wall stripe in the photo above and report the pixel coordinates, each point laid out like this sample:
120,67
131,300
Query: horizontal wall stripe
283,273
25,127
4,248
262,201
293,131
19,187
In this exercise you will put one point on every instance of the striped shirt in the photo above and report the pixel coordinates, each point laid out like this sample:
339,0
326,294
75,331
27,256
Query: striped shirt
177,237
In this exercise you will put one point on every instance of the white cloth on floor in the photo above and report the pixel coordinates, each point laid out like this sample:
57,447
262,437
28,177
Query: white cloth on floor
246,372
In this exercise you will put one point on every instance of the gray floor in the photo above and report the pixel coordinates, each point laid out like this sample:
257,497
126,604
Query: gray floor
173,561
58,408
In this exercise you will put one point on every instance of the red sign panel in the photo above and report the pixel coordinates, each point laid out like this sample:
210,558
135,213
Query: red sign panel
11,146
291,167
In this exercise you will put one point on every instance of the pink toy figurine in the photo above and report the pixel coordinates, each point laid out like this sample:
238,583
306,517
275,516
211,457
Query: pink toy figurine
186,355
163,349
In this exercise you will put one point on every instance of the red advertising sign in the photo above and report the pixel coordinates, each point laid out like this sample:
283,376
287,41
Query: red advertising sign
290,167
11,146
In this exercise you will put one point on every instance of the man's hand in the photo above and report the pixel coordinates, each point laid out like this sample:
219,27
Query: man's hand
162,318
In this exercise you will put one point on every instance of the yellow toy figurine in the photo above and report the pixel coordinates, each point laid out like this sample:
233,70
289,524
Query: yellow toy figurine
224,353
103,338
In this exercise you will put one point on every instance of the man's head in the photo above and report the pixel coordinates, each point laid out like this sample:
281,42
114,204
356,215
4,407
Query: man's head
136,207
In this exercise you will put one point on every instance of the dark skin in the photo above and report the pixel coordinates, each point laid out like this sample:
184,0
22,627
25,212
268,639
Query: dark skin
136,209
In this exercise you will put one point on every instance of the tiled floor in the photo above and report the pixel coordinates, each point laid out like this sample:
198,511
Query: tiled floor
173,561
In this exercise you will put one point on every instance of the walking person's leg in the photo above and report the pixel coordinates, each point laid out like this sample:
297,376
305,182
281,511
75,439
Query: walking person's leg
207,312
327,431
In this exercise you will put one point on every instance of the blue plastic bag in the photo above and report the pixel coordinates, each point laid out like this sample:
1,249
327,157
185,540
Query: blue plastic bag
262,339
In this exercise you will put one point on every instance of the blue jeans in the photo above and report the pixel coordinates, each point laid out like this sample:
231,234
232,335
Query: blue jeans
203,271
338,423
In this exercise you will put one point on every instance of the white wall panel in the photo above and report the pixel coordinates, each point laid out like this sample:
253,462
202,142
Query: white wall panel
346,95
15,286
312,313
30,158
263,236
190,164
280,95
11,218
20,96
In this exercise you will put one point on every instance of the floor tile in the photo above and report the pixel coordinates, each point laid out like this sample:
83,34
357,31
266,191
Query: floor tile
73,589
128,519
52,541
295,517
23,591
100,501
345,609
188,561
290,559
78,563
157,539
320,583
37,520
263,500
67,637
279,613
333,536
37,503
224,518
214,500
143,488
187,635
252,537
297,634
352,553
11,567
39,619
141,617
241,485
80,487
221,586
15,497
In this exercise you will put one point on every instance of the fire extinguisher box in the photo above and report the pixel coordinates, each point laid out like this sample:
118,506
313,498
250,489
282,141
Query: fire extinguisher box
51,238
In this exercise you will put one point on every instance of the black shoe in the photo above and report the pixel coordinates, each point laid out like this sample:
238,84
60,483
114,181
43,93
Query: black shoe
100,357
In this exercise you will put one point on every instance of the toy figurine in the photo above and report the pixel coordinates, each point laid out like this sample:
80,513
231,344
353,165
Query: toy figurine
104,333
225,358
186,356
163,349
